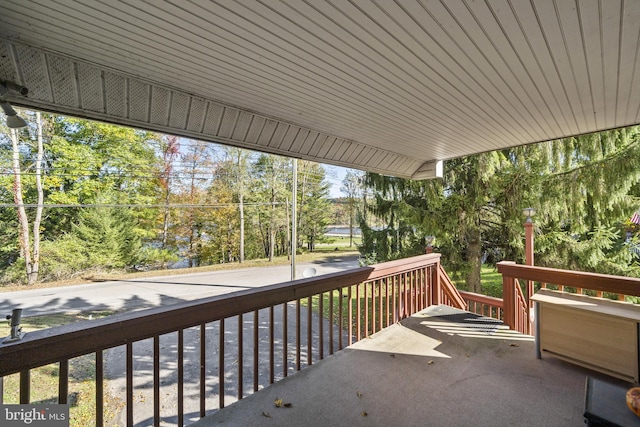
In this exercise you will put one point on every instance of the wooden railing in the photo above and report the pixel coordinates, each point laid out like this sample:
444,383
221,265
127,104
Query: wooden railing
518,307
275,319
446,292
483,305
389,296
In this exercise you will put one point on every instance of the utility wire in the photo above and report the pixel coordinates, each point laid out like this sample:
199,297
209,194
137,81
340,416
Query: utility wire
131,205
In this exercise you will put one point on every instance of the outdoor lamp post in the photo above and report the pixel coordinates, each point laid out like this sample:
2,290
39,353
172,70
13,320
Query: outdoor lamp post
429,242
528,255
528,235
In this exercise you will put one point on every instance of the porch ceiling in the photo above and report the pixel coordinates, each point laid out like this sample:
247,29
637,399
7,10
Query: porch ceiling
382,86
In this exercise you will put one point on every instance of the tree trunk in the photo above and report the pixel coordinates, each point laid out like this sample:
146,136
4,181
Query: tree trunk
350,225
240,181
38,219
272,225
241,208
286,205
165,221
23,221
474,257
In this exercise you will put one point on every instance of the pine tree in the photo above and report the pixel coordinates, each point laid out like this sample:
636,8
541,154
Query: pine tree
313,202
108,238
584,189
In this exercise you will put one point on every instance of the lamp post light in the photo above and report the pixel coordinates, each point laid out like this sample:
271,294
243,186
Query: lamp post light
429,242
528,235
528,257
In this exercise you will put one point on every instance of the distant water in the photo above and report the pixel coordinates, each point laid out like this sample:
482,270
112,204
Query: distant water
342,231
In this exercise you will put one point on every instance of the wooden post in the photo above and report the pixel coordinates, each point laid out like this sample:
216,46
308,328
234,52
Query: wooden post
435,284
528,242
509,301
528,260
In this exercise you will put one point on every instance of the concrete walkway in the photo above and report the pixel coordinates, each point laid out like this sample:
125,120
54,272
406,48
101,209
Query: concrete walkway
441,367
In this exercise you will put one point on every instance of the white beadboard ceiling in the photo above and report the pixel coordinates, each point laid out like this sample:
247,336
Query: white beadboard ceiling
390,86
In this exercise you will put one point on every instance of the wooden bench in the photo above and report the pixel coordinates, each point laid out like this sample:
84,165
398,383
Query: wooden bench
596,333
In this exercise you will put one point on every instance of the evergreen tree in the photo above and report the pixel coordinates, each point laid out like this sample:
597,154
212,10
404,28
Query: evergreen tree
584,189
313,202
109,236
588,197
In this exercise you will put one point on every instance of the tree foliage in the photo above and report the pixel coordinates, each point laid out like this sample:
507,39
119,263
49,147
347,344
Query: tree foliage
584,188
117,198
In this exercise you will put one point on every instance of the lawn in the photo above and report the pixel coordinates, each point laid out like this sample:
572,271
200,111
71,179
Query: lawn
491,281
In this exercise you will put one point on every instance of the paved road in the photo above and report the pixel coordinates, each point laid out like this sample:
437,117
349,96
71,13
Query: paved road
154,291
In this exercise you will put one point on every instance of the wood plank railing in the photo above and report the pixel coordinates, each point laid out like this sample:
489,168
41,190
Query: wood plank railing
483,305
518,307
207,337
447,292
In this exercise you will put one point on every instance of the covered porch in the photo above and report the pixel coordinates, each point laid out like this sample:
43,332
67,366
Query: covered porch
373,345
441,367
389,87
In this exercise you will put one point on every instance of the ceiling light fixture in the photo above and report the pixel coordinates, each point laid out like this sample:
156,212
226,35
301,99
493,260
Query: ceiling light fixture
14,121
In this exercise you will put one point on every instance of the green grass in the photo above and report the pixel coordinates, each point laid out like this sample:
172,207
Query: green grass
491,281
44,380
338,243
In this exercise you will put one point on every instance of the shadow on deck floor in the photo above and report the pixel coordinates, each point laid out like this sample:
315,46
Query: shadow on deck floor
440,367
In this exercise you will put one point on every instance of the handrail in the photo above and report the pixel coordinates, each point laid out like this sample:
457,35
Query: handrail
483,305
481,299
576,279
450,290
517,304
50,345
359,301
523,316
39,348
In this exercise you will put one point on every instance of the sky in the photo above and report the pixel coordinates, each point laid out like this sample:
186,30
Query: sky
335,175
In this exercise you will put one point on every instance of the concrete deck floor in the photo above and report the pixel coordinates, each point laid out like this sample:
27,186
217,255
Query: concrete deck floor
440,367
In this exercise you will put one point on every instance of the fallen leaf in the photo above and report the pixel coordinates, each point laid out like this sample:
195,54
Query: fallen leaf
278,403
430,362
266,414
364,414
359,394
513,345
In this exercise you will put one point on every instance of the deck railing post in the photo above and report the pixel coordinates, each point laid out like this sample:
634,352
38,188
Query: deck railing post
435,284
529,255
509,301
